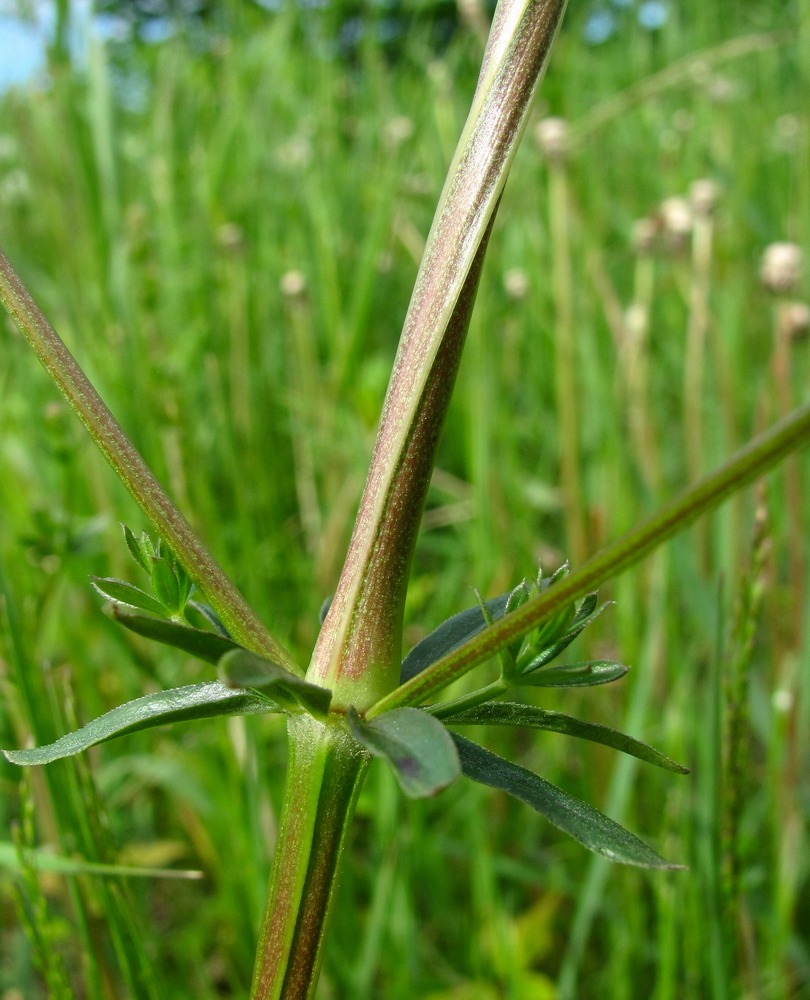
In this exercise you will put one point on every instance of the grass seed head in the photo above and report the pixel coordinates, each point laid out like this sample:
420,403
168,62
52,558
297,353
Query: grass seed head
703,196
293,284
781,268
552,138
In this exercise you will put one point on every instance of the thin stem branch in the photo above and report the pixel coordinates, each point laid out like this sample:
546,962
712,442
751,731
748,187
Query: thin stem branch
471,700
746,465
229,604
565,359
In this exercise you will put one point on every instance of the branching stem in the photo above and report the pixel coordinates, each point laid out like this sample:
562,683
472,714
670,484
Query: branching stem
229,604
746,465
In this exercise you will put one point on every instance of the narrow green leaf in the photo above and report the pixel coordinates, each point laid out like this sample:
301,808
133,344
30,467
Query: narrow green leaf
242,669
555,626
579,820
149,550
135,548
508,657
505,713
584,616
44,861
575,674
195,701
208,646
200,615
518,596
121,592
418,748
185,584
587,609
165,585
451,633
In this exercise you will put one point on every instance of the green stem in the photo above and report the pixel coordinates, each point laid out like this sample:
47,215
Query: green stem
324,777
232,608
565,360
746,465
471,700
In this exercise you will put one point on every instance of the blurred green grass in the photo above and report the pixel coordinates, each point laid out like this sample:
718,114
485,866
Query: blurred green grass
226,236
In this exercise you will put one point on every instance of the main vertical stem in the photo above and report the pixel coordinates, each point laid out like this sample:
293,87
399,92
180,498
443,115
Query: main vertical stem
324,777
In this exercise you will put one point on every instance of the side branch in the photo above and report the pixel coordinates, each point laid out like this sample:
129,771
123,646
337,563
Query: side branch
746,465
229,604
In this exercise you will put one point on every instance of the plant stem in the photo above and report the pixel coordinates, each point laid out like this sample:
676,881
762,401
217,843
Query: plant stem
565,359
471,700
695,360
634,367
324,777
746,465
231,607
359,650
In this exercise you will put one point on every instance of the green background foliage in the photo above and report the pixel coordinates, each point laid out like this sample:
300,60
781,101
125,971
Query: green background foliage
225,228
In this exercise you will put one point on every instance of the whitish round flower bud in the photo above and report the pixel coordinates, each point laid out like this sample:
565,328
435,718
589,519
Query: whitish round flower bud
722,89
644,236
635,319
516,283
15,188
230,236
781,267
704,194
397,130
293,284
683,121
795,320
552,138
676,215
473,13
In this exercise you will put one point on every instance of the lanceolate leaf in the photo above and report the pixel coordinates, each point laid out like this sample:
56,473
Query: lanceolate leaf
449,634
125,593
584,616
576,674
136,548
506,713
208,646
579,820
205,615
165,585
241,669
196,701
419,749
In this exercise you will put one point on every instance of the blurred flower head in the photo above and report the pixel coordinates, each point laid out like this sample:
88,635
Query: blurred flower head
516,283
781,268
703,196
552,138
